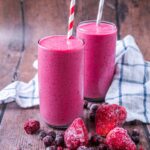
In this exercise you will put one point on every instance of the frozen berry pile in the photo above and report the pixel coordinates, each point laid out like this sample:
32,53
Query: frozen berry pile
110,135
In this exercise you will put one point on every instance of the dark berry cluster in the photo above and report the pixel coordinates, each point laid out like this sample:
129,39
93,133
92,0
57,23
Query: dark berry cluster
135,136
52,139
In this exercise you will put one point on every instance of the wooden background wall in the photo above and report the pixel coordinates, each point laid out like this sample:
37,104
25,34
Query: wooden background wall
23,22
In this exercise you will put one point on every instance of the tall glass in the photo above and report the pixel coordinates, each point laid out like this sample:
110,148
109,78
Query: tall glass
60,73
100,44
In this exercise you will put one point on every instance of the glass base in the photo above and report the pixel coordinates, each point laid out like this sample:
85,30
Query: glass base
95,100
63,127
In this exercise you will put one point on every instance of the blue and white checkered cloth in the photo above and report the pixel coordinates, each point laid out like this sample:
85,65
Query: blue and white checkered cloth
130,86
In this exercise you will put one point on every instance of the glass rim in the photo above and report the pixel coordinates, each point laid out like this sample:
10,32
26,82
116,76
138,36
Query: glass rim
50,36
89,21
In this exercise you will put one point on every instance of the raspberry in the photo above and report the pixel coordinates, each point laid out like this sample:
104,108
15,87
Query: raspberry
118,139
76,135
108,117
31,126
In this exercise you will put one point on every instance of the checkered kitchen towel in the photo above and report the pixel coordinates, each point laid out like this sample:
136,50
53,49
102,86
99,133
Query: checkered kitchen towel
130,86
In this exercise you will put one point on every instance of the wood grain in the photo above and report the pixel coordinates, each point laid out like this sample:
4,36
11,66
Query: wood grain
134,19
10,39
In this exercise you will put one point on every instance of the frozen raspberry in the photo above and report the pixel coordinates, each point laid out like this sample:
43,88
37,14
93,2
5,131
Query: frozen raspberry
76,135
118,139
31,126
108,117
48,140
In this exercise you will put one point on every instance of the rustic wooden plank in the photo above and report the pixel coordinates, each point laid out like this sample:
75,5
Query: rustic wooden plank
10,39
134,19
12,133
140,127
10,43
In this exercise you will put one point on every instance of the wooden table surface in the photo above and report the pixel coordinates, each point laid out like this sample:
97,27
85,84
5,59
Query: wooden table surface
24,22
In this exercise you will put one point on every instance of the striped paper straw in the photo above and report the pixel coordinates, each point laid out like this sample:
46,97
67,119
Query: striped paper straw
71,19
100,12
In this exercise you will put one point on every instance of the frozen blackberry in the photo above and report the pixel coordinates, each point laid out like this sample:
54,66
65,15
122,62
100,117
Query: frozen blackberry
52,133
42,134
135,139
48,140
59,140
135,132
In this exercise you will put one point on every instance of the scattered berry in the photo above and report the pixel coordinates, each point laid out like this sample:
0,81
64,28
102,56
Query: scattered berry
51,148
94,107
103,147
91,116
59,141
85,106
59,148
141,147
48,140
118,139
108,117
52,133
76,135
42,134
82,148
135,132
135,139
94,140
31,126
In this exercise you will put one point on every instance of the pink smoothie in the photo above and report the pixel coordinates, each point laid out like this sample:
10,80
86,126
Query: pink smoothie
100,44
60,73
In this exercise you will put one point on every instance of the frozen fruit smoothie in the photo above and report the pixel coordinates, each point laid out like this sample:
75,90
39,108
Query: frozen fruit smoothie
60,73
100,43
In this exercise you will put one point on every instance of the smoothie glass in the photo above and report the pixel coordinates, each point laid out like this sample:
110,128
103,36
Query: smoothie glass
60,73
100,44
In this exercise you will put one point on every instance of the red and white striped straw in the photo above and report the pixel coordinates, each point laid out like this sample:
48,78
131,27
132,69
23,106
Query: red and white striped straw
71,19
